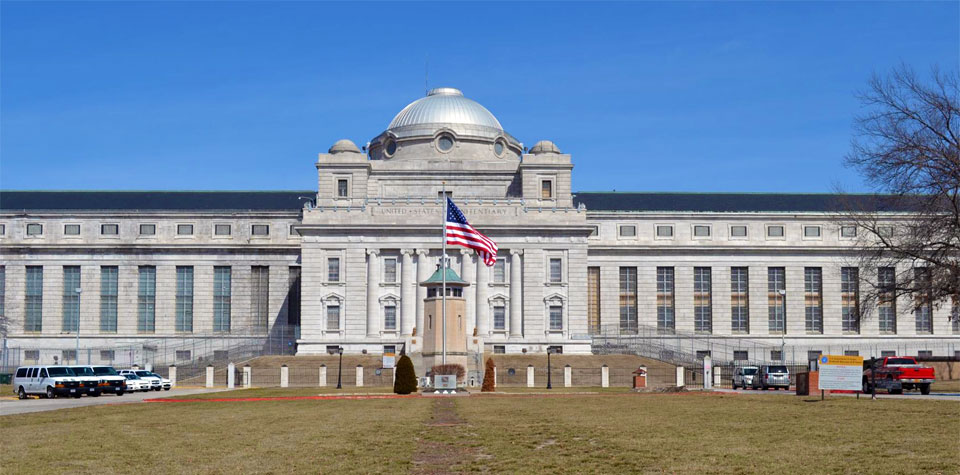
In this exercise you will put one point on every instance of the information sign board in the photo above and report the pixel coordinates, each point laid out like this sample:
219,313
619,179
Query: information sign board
839,372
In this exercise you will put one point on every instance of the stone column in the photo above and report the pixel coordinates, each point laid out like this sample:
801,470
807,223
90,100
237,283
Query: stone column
516,294
423,273
408,293
284,376
231,376
680,382
604,376
468,272
567,376
530,376
359,376
482,311
373,291
323,376
172,376
209,381
247,377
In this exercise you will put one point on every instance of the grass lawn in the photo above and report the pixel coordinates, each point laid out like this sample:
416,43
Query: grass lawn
568,433
950,386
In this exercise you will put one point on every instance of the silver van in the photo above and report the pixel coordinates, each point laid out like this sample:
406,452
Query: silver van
45,381
772,376
743,376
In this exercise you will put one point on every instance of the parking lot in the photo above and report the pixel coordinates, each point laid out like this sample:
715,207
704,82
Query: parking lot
880,394
9,404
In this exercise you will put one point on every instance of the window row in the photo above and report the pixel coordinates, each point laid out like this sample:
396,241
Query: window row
776,302
146,298
735,231
390,273
149,229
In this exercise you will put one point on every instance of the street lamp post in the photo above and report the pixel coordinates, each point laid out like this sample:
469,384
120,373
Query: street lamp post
549,382
340,368
76,357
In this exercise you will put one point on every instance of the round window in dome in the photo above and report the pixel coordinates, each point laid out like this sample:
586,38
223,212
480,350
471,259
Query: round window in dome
445,143
390,148
499,147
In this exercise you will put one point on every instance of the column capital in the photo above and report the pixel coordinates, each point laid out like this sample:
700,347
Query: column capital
373,252
466,252
407,252
422,252
516,252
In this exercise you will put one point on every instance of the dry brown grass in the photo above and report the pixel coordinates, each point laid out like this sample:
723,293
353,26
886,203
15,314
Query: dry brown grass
613,433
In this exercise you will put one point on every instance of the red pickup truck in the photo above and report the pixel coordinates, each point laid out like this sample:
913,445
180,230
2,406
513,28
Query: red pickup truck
896,374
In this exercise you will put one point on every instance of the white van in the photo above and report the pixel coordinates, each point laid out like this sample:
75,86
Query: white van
89,382
110,380
45,381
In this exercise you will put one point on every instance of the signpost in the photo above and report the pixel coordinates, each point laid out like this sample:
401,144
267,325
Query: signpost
839,372
389,360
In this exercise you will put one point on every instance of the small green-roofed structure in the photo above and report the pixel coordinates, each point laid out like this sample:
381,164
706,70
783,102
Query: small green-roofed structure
452,279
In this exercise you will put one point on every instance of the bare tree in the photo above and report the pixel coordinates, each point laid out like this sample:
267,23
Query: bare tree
907,146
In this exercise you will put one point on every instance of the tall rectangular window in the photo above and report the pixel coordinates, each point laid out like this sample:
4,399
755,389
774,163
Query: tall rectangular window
813,301
390,270
776,299
3,291
499,317
923,301
556,317
33,302
71,298
702,300
628,299
739,300
954,308
850,299
556,269
108,298
666,318
390,317
147,300
546,189
593,300
342,188
293,296
221,298
333,317
260,296
500,271
887,300
333,269
184,302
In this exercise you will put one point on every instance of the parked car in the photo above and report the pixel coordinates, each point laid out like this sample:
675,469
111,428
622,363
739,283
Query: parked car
45,381
89,382
897,374
772,376
164,382
743,377
135,383
155,383
110,380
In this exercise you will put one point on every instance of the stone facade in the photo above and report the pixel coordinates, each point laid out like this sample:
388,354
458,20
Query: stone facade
371,232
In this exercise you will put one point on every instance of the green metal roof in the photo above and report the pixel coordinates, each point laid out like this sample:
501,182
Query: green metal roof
452,278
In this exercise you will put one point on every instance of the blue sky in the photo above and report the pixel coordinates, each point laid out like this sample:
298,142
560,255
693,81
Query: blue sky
736,96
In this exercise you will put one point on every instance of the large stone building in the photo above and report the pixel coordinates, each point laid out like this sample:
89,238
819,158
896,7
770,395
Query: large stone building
188,273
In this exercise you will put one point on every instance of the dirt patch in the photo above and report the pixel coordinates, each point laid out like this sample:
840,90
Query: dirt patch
440,448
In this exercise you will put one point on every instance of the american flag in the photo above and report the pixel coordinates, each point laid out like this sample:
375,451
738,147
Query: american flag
460,233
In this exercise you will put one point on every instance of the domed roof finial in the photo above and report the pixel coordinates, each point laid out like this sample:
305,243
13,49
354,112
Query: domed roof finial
344,146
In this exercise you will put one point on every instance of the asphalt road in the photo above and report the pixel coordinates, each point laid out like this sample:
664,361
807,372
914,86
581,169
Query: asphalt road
13,405
936,396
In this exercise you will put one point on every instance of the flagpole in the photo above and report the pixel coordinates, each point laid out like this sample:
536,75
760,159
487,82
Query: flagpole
443,269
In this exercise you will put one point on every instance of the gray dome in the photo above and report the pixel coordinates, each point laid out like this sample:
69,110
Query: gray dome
344,145
445,105
545,146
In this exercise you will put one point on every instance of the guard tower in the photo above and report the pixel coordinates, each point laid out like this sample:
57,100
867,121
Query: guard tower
456,341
